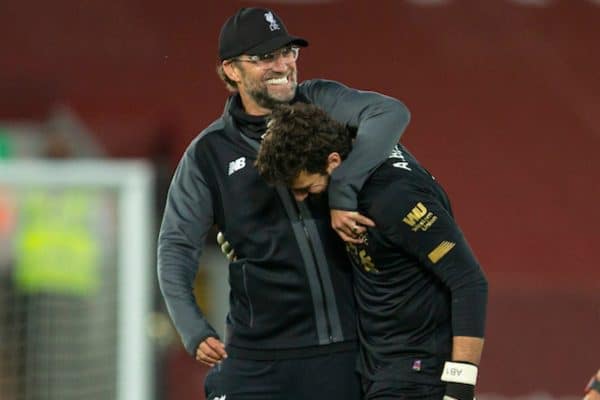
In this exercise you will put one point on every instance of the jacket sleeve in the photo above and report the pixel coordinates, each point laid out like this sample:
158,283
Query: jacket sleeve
187,218
380,121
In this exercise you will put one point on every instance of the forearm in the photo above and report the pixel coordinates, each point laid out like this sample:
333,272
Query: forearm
460,374
468,286
177,268
467,349
190,323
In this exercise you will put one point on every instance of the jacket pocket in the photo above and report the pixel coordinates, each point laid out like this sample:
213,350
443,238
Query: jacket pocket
241,307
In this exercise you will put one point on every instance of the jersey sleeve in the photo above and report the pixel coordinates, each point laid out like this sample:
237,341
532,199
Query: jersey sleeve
380,120
186,221
419,222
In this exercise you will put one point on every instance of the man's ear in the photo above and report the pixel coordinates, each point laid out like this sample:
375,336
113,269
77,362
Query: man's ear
231,71
333,161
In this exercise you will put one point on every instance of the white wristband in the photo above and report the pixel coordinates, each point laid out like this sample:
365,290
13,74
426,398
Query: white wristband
459,373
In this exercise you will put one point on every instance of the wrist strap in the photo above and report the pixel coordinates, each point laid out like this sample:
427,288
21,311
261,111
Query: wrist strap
459,373
459,391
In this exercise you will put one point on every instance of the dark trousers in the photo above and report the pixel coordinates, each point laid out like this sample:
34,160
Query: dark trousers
323,377
398,390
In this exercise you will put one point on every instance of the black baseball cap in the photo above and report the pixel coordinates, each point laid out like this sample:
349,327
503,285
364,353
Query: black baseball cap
254,31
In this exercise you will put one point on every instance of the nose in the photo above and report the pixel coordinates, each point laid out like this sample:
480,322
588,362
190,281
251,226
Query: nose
300,196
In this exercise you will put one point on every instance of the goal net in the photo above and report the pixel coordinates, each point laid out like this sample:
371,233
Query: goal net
75,280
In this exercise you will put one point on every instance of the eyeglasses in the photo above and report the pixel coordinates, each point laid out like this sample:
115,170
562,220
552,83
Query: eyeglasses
287,54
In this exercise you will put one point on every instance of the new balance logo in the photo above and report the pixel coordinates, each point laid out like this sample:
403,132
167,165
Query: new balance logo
224,397
235,166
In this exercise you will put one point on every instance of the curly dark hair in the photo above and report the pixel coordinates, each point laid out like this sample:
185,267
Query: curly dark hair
300,137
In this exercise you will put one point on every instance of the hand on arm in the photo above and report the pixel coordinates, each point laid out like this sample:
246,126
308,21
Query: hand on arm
350,225
211,351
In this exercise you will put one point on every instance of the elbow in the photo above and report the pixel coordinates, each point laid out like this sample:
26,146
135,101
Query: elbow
166,260
483,282
474,283
163,274
404,112
479,284
401,113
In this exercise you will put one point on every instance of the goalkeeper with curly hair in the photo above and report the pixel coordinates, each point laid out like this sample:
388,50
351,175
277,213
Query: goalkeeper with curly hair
421,293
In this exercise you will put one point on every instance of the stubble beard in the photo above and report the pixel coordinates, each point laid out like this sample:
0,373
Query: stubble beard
263,98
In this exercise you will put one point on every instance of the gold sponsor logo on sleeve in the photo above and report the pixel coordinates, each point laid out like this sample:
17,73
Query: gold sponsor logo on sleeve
419,218
440,251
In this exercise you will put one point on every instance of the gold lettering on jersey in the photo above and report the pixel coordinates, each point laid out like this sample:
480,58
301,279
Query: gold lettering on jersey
440,251
425,223
366,261
419,218
415,214
361,257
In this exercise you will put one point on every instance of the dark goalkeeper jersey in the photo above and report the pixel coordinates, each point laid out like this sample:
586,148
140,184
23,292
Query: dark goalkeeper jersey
417,282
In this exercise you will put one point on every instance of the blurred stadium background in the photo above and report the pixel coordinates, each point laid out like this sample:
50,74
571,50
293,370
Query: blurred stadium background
99,99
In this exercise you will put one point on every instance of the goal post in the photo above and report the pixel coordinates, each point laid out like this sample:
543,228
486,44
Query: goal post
76,253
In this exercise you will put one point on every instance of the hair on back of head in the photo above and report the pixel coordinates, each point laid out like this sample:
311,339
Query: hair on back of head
300,137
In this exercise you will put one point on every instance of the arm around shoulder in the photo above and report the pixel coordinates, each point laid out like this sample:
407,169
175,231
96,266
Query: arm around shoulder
355,107
379,121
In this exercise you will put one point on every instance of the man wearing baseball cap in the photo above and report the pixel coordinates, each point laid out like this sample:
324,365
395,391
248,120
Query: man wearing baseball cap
291,323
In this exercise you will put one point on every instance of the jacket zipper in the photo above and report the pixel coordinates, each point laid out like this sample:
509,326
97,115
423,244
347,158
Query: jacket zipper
248,295
312,252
